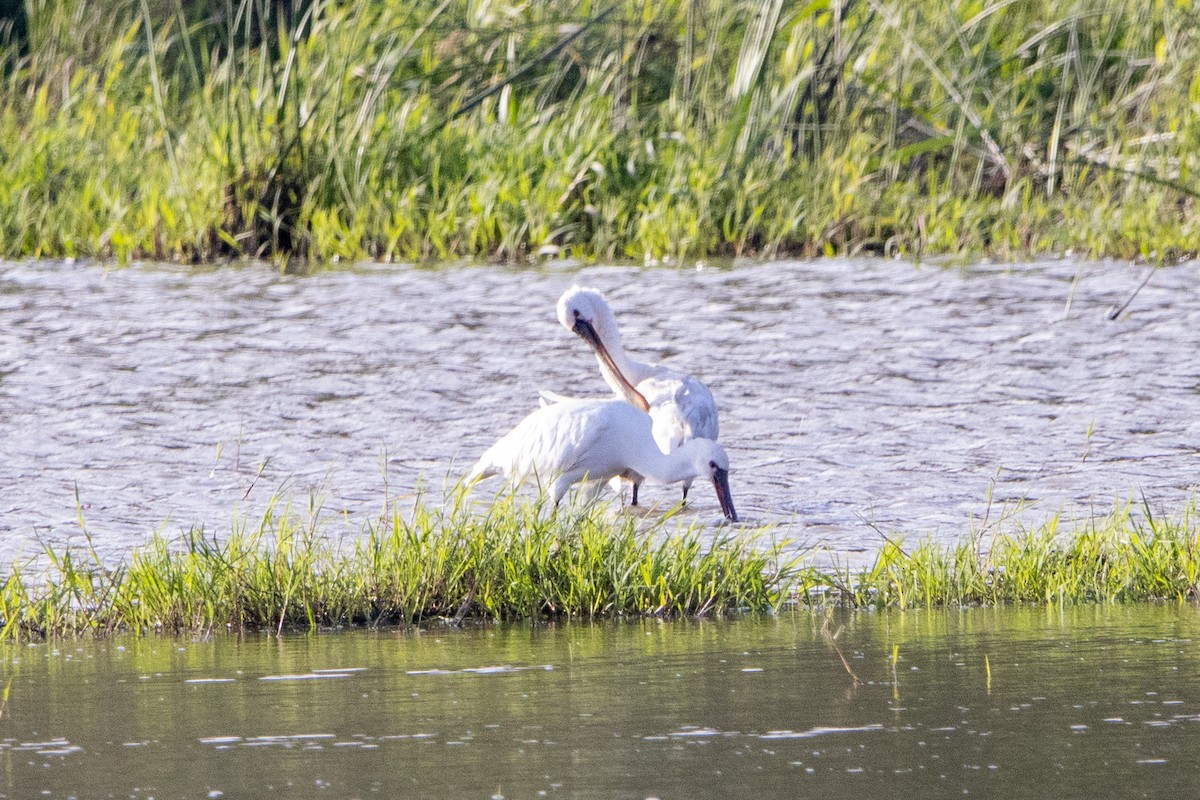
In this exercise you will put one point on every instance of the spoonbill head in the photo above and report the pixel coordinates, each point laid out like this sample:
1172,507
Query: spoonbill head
585,313
566,442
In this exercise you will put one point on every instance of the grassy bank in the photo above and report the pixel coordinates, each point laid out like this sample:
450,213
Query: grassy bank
1122,557
514,561
511,561
397,129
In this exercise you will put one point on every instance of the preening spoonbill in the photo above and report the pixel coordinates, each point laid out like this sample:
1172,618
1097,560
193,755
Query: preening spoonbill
568,441
681,407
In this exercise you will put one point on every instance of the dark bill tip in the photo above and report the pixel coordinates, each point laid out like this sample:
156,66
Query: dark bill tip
721,483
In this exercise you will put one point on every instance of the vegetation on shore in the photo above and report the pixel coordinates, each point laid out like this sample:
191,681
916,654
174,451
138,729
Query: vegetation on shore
516,561
406,130
1118,558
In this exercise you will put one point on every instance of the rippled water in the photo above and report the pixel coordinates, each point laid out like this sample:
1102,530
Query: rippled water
1090,702
852,394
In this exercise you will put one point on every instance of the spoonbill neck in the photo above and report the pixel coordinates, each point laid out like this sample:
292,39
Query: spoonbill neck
693,459
628,372
609,333
615,367
678,465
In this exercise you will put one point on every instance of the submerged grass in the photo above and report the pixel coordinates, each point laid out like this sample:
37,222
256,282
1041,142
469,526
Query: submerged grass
405,130
517,561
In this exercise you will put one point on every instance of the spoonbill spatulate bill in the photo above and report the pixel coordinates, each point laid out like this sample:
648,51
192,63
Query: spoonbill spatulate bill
569,441
680,406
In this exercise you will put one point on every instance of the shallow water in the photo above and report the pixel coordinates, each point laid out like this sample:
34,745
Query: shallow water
1101,702
853,395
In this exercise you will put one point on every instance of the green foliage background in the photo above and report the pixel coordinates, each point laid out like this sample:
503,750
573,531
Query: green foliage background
412,129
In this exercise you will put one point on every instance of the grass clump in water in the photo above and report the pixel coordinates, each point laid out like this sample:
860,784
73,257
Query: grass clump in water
1114,559
516,561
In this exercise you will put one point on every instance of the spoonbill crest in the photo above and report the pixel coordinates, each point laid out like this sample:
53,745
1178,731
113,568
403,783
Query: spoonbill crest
680,407
569,441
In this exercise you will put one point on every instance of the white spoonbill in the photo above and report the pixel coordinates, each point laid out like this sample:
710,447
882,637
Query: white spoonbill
595,440
681,407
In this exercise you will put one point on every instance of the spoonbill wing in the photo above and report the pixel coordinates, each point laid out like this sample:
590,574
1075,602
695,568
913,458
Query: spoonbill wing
562,441
682,408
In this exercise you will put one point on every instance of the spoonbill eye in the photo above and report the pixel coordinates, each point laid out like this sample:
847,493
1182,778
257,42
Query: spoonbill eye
577,314
712,465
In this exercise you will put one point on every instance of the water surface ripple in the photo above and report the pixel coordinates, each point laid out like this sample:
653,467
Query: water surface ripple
854,395
1016,703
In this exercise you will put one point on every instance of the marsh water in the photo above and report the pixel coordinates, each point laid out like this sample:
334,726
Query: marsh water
856,396
1020,703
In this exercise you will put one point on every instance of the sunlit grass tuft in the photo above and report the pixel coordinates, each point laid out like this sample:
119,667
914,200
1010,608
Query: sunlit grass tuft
512,560
1117,558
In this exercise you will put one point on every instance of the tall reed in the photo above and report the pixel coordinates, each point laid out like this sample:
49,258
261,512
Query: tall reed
680,129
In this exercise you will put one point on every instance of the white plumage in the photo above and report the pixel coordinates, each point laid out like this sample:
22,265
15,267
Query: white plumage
681,407
569,441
